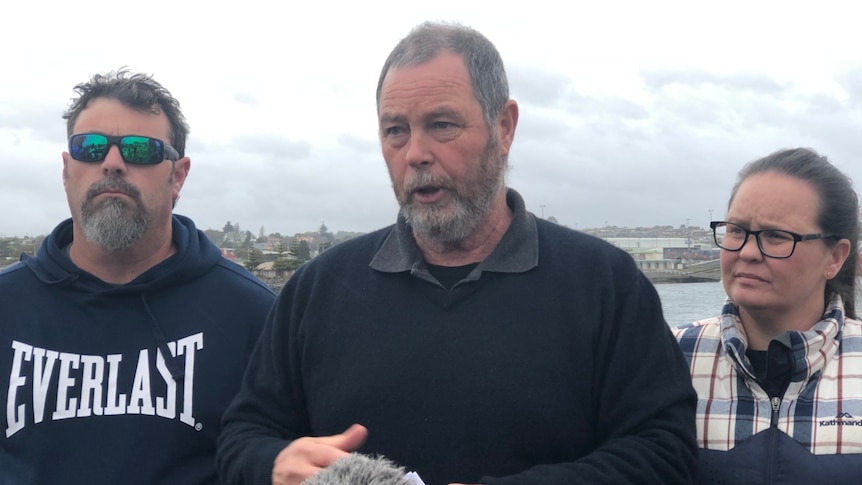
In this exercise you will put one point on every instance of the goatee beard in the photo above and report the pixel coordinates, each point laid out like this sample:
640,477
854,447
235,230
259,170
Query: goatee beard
114,223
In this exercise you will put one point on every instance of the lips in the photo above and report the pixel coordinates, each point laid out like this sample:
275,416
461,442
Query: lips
113,191
749,277
426,190
427,194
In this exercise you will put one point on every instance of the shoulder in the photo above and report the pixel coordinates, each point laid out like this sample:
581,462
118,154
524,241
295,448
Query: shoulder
234,275
12,268
342,261
369,242
693,335
556,237
583,255
707,325
359,249
853,324
15,274
851,335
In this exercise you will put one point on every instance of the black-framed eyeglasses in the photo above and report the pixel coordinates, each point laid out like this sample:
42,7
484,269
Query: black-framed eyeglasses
139,150
774,243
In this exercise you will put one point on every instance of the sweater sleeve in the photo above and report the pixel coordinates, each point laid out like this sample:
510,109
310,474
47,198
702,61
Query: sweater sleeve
263,418
645,404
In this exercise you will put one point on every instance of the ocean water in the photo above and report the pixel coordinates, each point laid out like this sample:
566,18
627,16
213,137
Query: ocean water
686,302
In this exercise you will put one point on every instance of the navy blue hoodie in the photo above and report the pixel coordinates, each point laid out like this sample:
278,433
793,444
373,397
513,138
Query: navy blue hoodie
107,383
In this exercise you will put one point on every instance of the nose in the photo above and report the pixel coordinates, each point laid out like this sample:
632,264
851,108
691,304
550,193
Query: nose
750,250
419,150
113,162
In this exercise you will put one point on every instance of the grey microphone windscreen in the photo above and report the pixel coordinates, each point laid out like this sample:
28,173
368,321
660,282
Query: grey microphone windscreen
359,469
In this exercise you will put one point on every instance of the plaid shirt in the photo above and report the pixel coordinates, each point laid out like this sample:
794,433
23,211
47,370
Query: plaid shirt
822,407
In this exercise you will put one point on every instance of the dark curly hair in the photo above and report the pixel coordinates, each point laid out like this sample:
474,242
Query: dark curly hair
135,90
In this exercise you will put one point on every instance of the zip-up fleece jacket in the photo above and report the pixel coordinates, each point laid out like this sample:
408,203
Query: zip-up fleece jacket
810,433
106,383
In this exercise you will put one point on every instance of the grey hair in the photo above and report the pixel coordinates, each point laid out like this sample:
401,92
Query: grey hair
837,211
483,62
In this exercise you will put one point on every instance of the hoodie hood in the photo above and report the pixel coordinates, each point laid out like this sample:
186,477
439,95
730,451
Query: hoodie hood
195,255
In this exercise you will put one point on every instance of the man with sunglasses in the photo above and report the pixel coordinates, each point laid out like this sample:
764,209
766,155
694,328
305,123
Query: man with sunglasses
125,337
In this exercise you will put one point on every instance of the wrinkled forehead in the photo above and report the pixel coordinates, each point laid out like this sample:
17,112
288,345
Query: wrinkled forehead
442,79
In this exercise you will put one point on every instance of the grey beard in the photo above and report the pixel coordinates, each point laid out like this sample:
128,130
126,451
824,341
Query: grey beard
433,224
469,209
109,225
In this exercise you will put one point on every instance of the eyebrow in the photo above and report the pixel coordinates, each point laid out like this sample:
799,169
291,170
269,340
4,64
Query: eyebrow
442,112
437,113
389,118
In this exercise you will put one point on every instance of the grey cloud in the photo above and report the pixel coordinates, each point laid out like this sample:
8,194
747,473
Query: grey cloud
359,144
589,166
43,120
271,144
851,81
663,155
657,79
555,91
538,87
347,190
245,98
538,125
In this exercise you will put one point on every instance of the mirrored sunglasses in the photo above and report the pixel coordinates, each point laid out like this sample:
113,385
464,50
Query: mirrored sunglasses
138,150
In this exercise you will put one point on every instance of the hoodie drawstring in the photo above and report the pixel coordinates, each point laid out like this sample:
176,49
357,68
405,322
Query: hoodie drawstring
174,367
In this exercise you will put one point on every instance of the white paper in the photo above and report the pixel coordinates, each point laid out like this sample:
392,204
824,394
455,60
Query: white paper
413,478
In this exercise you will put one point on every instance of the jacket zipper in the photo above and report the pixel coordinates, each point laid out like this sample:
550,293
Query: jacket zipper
770,461
776,404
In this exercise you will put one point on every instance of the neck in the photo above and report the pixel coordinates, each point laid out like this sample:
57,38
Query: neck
763,326
123,265
475,248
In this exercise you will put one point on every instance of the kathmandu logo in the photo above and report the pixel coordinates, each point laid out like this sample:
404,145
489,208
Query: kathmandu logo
843,419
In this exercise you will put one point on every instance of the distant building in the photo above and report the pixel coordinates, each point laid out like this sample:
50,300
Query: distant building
649,242
265,270
647,254
664,253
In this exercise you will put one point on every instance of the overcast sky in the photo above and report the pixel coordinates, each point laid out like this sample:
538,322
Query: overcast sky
632,113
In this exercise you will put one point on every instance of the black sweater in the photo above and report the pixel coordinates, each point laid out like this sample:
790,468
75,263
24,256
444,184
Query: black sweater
562,373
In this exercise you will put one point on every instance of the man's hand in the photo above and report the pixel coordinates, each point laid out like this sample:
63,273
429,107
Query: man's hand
305,456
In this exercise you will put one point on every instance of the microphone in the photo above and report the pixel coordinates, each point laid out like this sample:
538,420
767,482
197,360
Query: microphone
359,469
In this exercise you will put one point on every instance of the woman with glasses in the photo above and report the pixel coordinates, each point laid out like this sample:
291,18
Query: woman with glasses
779,372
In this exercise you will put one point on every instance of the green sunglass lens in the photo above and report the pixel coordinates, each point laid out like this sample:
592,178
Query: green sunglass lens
142,150
89,147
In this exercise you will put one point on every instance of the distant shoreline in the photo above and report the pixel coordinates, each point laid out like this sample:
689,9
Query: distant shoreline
657,277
